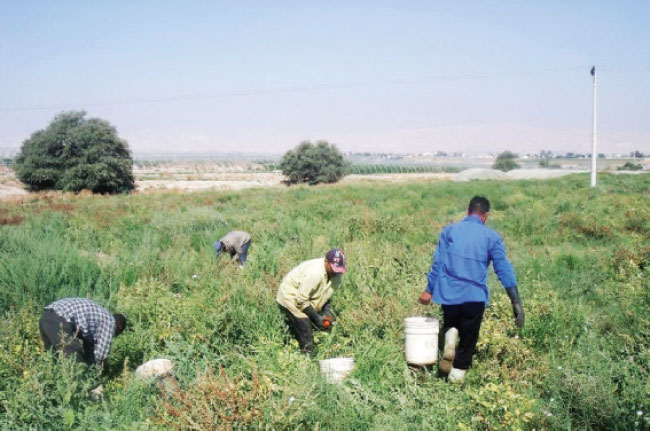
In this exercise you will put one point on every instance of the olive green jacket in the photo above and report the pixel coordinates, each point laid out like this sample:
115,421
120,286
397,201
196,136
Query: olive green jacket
307,285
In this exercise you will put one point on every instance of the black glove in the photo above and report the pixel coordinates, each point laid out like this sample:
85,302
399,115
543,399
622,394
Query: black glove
315,318
517,308
327,310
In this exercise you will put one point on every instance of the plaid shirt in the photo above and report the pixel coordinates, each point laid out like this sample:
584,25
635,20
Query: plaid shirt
96,324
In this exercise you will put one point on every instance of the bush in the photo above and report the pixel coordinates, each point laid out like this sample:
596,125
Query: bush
629,166
74,153
314,163
506,162
212,402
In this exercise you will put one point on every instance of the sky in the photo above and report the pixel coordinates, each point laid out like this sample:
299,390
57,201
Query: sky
380,76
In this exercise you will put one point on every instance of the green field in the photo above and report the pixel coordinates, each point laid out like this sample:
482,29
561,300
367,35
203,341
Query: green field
582,258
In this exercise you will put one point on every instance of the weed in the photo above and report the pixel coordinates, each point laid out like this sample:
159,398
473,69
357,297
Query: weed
212,402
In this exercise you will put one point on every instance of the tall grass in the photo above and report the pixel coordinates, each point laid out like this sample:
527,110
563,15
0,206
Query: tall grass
581,257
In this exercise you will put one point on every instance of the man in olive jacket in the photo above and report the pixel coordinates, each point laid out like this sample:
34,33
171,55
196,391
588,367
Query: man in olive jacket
305,292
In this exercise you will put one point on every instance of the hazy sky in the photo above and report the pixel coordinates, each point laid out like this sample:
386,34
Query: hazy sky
473,76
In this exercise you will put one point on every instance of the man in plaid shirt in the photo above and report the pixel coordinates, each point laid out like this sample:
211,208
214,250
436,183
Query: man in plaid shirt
80,327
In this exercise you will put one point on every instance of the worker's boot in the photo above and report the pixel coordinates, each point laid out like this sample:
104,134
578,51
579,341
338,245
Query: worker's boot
449,352
456,375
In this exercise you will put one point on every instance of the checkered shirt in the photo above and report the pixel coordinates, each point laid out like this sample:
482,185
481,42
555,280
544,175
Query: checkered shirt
95,323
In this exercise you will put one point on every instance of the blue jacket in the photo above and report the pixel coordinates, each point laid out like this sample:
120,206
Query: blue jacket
461,260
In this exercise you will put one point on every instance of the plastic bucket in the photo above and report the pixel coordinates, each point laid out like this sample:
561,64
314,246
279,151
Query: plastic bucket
421,345
336,369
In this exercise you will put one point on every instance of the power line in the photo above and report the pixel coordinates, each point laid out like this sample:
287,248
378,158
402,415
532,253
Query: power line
297,89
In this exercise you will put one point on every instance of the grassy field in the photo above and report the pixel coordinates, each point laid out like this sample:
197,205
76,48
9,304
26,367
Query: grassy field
582,258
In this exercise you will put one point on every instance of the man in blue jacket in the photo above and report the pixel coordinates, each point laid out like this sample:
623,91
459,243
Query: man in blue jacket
458,281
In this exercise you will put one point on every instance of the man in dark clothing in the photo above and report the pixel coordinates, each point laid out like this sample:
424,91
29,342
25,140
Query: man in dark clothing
81,328
458,281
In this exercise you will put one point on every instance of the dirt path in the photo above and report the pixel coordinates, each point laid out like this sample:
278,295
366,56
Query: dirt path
11,189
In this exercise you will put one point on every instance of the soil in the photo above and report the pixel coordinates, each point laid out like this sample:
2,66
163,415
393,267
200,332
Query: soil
166,180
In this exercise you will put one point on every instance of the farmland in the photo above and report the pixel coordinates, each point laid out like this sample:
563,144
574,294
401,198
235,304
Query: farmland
582,258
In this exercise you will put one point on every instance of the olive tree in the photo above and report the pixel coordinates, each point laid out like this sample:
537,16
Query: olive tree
315,163
74,153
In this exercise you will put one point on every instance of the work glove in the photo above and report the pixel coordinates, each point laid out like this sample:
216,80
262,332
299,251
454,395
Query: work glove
315,318
425,298
327,311
517,308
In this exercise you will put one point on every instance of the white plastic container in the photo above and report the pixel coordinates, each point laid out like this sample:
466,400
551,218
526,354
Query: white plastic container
336,369
155,368
421,345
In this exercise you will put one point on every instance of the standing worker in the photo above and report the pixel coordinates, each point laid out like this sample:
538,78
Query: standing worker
306,291
235,243
81,328
458,281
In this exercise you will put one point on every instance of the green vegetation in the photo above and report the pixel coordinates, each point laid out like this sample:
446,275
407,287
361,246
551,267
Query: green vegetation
74,153
506,162
582,257
399,168
313,163
385,168
629,166
546,163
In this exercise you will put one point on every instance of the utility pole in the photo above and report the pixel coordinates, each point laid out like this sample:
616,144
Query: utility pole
593,135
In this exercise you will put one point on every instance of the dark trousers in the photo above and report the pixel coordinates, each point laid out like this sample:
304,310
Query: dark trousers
467,318
57,334
301,330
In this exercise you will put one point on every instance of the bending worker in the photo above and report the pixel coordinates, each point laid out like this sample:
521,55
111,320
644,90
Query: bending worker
81,328
305,292
458,281
235,243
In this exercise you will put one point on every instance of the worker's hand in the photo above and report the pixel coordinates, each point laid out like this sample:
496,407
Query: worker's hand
520,316
320,323
517,308
425,298
327,309
315,318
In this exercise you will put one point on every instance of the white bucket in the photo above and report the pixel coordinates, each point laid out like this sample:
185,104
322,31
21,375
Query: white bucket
336,369
421,344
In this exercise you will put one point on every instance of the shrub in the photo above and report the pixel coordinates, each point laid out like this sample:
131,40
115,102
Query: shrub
314,163
506,162
213,402
74,153
629,166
